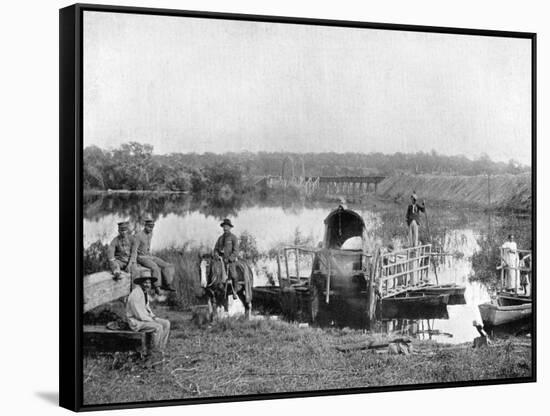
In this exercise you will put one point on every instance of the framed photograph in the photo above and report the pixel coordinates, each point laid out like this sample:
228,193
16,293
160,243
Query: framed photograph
256,207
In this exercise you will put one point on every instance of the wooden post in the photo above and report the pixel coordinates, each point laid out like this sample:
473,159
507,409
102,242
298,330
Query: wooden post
516,273
286,266
372,298
327,295
279,269
501,271
297,261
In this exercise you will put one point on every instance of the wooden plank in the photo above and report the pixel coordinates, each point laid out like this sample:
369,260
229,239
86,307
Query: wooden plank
97,338
100,288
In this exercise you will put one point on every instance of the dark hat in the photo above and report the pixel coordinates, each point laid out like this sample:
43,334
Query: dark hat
226,221
148,220
144,275
123,225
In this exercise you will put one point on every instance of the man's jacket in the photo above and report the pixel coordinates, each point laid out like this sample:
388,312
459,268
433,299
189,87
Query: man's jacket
137,308
413,213
227,246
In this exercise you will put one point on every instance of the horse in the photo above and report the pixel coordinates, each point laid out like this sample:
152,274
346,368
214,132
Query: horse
217,285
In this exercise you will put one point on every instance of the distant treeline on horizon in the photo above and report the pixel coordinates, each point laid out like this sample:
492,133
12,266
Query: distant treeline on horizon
134,166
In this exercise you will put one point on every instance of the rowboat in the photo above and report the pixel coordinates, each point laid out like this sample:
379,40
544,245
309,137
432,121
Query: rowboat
510,299
497,314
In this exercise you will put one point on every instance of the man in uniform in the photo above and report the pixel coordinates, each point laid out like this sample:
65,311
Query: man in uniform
227,248
120,250
140,316
161,270
413,219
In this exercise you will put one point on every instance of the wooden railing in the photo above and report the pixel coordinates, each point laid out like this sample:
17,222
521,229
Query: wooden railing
503,266
399,271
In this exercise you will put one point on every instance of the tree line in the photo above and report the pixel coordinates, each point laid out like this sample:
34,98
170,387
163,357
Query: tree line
134,166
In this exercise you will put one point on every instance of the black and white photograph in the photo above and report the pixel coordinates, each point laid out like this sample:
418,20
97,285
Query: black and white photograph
276,208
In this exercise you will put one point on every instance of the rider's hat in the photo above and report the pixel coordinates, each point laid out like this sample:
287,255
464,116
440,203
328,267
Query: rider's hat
226,221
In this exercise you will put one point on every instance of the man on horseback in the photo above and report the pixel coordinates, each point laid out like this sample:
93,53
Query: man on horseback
227,248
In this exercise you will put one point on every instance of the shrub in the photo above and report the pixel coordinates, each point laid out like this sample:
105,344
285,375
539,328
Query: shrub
95,258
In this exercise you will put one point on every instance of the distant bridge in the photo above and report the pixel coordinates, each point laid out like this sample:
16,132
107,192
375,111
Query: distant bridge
330,184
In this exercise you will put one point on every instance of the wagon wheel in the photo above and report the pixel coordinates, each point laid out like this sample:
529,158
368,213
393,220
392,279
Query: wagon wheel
314,303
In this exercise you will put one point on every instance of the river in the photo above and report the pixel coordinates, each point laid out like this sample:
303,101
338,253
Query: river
182,221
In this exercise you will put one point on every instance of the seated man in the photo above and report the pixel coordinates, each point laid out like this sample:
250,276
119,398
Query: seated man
227,248
141,253
119,251
140,316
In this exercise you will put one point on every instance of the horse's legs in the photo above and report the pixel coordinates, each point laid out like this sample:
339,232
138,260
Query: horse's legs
247,305
213,309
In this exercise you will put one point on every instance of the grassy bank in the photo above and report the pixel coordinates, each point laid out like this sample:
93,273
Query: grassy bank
505,191
237,357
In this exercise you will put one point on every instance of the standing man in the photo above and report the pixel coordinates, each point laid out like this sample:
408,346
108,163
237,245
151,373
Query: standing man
227,248
161,270
140,316
413,219
120,251
510,258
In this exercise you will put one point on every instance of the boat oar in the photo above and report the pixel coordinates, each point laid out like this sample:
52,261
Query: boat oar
430,237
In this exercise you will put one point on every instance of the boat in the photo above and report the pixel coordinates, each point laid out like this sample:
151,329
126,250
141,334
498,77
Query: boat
510,299
497,314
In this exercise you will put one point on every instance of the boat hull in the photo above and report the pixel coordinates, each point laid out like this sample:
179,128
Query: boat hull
412,307
494,315
510,299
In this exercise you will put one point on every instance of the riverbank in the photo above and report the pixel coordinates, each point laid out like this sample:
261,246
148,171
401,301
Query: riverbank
96,192
498,192
233,357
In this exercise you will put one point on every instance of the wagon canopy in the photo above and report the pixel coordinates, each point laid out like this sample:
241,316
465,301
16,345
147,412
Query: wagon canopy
341,225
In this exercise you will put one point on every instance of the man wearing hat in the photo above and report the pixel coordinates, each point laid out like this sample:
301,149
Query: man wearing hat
120,250
139,314
413,219
227,247
161,270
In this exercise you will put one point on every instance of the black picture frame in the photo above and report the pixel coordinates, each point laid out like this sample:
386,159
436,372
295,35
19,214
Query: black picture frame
71,201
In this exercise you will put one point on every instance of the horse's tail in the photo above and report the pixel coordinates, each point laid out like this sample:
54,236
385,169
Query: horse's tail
248,275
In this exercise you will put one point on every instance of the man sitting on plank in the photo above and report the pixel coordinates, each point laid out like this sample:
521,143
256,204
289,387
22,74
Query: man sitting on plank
141,253
119,251
140,316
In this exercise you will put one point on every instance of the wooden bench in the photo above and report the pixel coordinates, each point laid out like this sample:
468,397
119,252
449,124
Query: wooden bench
97,338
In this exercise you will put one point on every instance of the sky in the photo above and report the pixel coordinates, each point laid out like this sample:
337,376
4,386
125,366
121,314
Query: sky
205,85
